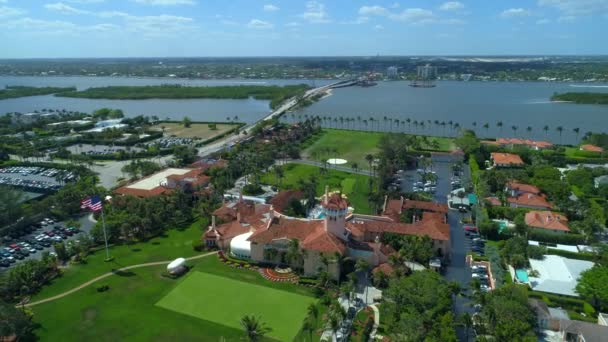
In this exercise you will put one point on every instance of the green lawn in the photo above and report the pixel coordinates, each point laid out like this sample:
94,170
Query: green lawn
355,145
127,311
354,186
224,301
176,243
575,152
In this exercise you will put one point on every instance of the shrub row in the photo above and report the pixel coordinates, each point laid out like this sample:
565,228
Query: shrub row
568,303
572,255
566,239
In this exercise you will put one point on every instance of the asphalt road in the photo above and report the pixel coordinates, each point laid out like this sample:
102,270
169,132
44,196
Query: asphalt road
457,270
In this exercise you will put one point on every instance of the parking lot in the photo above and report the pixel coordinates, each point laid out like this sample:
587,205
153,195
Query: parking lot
169,142
100,150
37,179
39,238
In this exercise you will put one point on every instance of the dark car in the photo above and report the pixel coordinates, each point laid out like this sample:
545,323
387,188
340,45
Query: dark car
18,255
351,312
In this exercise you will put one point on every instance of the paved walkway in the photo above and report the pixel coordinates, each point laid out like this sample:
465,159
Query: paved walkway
103,276
373,335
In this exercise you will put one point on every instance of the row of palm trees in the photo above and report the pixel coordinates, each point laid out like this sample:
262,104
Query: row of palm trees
389,124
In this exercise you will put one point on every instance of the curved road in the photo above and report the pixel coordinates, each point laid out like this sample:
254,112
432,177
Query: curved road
103,276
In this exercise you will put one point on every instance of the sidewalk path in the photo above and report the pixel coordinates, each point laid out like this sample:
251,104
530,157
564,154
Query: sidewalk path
373,335
157,263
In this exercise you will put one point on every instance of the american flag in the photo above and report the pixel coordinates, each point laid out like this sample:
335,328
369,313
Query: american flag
93,203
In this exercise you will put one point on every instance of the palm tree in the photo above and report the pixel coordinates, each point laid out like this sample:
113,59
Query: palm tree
486,126
313,311
355,166
466,321
370,159
546,129
362,266
529,129
294,254
409,123
499,125
514,128
560,129
254,328
308,327
576,131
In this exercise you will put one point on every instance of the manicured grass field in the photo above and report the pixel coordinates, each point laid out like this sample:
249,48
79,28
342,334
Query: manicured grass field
127,311
354,186
196,130
174,244
224,301
575,152
355,145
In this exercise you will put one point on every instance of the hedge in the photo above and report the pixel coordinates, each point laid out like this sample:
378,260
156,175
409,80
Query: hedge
565,239
572,255
568,303
498,212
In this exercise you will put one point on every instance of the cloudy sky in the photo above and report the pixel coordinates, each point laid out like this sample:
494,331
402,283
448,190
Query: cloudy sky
153,28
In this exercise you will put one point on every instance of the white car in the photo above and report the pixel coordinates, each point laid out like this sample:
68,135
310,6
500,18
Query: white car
479,275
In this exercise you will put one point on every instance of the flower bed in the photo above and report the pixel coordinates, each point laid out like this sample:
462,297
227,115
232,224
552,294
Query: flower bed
273,275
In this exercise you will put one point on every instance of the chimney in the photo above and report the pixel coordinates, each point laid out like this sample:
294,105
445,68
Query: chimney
240,197
213,222
326,199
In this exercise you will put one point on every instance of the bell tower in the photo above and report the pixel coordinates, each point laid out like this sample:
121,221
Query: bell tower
336,208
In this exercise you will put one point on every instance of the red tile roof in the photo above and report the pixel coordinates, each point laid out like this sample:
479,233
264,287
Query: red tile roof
493,200
426,206
384,268
432,225
506,159
523,142
141,192
281,200
522,187
591,148
547,220
231,229
336,202
310,233
393,209
530,200
193,177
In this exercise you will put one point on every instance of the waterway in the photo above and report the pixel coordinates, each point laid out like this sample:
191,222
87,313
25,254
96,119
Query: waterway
470,104
248,110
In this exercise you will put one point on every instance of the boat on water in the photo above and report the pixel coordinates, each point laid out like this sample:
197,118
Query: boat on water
422,84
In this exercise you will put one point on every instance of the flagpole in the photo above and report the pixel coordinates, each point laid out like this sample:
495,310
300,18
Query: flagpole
105,236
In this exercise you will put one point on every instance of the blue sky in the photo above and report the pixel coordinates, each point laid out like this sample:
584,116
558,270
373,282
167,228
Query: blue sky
152,28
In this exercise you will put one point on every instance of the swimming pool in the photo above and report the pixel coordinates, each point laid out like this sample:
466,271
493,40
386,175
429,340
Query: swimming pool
521,275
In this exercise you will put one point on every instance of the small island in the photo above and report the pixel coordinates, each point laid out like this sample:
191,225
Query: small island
582,98
11,92
275,94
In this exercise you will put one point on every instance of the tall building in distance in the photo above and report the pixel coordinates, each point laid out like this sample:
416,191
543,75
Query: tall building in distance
392,73
425,74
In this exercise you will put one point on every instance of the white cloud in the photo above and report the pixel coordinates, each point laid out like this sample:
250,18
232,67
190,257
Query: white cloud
64,9
229,22
158,25
270,8
359,20
451,6
112,14
373,10
577,7
515,13
6,11
293,24
315,13
165,2
378,27
543,21
395,5
408,15
259,24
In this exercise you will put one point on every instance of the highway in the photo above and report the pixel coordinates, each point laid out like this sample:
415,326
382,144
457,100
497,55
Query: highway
223,143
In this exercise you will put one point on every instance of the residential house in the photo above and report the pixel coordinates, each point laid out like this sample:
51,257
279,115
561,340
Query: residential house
504,160
188,180
547,221
532,144
523,195
597,181
591,148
